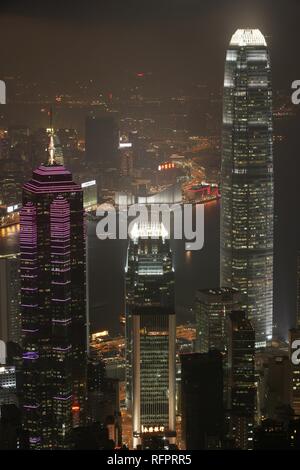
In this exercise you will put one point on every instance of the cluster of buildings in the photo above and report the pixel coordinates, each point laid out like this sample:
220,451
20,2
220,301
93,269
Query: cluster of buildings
237,388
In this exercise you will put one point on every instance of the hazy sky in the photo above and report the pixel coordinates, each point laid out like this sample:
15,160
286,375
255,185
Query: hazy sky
177,39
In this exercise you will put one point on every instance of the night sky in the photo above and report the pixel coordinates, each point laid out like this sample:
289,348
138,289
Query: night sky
181,42
175,38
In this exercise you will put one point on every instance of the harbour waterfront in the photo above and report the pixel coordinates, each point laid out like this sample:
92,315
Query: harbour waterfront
194,269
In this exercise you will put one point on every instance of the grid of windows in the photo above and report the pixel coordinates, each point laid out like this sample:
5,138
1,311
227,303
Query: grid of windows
247,206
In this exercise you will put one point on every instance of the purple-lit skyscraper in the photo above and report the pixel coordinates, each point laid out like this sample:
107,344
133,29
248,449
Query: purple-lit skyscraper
52,245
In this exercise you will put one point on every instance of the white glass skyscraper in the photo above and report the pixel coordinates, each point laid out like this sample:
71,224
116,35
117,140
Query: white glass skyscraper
247,178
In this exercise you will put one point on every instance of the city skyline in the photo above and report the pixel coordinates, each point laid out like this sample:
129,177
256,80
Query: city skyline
115,332
247,205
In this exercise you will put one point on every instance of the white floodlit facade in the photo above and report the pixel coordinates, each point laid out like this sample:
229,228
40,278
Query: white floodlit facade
247,205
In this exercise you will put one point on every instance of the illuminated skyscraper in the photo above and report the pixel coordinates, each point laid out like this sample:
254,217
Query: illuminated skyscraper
10,314
211,309
151,333
52,245
247,178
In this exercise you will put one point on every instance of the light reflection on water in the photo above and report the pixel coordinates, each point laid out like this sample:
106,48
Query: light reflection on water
193,269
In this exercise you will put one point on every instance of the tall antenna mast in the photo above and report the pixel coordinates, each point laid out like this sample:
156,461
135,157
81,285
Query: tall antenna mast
51,147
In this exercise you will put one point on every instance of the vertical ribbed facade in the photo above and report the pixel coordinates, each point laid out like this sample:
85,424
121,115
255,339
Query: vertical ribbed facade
151,334
247,178
61,319
241,380
52,245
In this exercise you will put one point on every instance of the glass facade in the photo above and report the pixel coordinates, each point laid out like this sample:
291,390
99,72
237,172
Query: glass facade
247,179
150,333
211,310
52,245
241,380
8,385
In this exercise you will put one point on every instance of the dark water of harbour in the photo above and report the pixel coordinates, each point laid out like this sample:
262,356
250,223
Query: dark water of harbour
106,262
194,269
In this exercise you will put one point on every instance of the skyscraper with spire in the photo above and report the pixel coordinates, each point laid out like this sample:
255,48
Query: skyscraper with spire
52,245
247,178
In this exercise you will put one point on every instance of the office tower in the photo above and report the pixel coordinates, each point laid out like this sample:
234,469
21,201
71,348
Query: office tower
247,178
8,385
149,280
92,437
10,312
273,372
4,145
90,198
153,373
212,307
18,135
95,387
202,410
294,335
52,245
111,415
150,328
102,141
241,380
9,188
126,159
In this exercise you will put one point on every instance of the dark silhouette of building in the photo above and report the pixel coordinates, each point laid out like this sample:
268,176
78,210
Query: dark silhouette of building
102,141
241,380
271,435
96,389
202,400
52,245
211,309
12,436
150,332
93,437
279,434
247,207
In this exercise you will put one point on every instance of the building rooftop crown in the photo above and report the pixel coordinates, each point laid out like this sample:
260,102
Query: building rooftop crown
248,37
